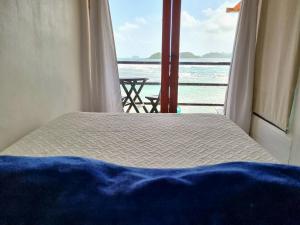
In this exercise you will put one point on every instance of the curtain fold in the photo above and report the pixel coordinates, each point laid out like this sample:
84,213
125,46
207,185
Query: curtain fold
101,88
277,61
238,104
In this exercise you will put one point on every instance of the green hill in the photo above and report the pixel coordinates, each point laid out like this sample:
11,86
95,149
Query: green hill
156,55
216,55
183,55
190,55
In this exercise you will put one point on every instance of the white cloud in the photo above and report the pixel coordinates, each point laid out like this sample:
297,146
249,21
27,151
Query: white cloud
218,20
141,20
127,27
188,21
208,12
124,31
214,30
132,25
136,24
138,37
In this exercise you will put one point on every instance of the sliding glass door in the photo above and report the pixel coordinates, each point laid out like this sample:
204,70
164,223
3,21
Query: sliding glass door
206,45
137,29
147,43
174,55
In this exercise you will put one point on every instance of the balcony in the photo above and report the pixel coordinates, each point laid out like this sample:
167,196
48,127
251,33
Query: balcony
202,85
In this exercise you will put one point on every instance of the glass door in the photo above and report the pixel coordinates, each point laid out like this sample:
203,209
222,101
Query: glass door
174,52
206,44
137,29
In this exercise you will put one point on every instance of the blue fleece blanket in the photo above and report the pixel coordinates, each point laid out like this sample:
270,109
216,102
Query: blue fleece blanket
71,191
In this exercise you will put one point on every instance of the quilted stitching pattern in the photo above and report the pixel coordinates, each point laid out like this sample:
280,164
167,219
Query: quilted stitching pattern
143,140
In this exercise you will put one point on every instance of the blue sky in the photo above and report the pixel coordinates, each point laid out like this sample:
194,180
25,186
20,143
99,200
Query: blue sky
205,27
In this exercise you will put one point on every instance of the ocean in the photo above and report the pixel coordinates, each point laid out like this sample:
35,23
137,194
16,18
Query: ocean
187,74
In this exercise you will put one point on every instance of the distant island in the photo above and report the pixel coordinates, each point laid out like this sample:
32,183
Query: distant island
190,55
156,55
216,55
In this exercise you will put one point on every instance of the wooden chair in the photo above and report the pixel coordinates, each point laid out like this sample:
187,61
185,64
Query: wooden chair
154,101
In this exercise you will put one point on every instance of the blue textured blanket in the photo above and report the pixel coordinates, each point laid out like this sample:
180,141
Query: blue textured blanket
71,191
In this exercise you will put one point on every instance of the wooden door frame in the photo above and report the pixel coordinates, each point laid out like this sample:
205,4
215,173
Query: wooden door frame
165,56
175,39
170,55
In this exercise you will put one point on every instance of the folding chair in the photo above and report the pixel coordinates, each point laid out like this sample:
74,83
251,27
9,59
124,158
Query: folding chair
154,101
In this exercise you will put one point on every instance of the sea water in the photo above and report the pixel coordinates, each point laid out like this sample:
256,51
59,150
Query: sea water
187,74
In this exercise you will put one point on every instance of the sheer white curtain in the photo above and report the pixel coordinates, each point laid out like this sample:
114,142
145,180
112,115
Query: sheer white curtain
101,89
238,104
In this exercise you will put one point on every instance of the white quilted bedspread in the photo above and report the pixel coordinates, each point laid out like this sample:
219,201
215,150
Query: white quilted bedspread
143,140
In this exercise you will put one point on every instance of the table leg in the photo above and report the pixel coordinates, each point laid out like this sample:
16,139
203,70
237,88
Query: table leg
128,97
137,95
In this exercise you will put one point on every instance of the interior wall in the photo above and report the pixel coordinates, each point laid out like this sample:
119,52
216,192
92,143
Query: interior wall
294,157
285,147
39,64
274,140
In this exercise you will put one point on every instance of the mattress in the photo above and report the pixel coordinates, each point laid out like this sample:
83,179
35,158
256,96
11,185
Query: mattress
143,140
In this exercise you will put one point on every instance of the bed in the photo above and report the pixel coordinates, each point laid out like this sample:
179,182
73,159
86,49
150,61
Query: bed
143,140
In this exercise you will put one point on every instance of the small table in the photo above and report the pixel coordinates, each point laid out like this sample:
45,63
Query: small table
136,100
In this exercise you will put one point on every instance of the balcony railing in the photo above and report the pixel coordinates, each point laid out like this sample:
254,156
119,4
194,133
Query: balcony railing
194,84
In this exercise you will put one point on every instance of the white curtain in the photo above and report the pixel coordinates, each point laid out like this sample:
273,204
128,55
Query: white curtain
101,89
238,104
277,61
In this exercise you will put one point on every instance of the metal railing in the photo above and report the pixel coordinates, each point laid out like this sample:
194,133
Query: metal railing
185,84
181,63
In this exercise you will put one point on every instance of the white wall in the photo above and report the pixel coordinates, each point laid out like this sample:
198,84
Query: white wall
39,64
295,150
285,147
276,141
